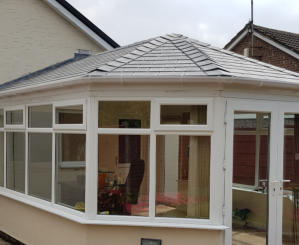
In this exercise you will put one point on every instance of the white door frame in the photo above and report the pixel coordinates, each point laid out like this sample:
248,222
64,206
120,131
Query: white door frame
284,107
275,135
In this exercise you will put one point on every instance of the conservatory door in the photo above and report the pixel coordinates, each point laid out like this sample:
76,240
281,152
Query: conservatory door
252,199
288,198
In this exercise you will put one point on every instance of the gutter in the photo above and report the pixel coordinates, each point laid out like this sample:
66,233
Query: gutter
154,80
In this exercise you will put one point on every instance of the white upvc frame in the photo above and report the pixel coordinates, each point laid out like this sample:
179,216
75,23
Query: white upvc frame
283,108
70,126
183,101
248,105
216,176
15,108
215,222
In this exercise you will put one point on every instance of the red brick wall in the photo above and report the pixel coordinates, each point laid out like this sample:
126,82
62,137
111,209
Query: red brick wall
268,53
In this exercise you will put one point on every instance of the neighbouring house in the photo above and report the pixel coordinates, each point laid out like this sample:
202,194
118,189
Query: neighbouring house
149,144
276,47
39,33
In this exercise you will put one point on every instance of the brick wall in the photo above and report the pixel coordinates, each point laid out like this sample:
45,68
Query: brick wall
268,53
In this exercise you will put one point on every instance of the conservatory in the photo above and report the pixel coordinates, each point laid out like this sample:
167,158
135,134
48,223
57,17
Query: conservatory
165,141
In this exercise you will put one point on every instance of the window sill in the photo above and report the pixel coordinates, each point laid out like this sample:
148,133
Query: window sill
80,217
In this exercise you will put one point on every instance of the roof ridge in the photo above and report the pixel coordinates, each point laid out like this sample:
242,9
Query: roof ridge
192,41
140,51
276,30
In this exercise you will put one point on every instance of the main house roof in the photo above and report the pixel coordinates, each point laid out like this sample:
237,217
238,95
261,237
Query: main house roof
169,56
288,40
78,19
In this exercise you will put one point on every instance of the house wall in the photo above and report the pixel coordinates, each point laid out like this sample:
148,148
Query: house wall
49,229
34,36
267,53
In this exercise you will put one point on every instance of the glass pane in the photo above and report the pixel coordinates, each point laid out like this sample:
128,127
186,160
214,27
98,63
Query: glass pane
183,176
124,114
184,114
123,177
40,165
40,116
290,228
250,178
70,170
1,118
1,159
15,161
14,117
69,114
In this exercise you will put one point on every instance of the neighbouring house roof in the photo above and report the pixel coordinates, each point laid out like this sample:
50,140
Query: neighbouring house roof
79,20
169,56
288,40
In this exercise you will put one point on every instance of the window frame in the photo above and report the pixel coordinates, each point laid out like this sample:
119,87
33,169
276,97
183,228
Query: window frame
15,108
81,126
154,130
186,101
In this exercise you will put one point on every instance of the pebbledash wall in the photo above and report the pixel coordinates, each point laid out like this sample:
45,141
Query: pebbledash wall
267,53
34,36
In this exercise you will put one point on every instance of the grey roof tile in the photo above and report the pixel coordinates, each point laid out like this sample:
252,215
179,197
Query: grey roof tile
170,55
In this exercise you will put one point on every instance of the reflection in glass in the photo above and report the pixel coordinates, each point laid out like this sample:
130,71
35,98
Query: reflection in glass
184,114
69,114
290,228
250,178
14,117
40,116
123,177
40,165
183,176
1,118
15,161
124,114
70,170
1,158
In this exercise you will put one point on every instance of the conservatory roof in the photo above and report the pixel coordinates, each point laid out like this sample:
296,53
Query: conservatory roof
169,56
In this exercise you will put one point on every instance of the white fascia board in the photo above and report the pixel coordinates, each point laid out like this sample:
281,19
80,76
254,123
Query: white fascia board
277,45
239,39
78,24
184,81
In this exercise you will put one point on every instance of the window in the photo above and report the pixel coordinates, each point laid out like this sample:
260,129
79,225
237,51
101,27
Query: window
14,117
70,170
1,118
40,116
251,143
183,114
183,176
15,161
123,175
40,165
69,114
124,114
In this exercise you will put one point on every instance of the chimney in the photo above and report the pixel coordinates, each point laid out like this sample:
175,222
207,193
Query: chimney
82,53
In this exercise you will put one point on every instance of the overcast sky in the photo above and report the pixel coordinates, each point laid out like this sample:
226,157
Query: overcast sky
211,21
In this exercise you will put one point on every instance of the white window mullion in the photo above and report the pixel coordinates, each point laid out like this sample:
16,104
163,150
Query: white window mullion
26,162
152,179
4,174
91,159
53,169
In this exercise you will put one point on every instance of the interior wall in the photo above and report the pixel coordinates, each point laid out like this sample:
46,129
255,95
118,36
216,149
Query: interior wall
49,229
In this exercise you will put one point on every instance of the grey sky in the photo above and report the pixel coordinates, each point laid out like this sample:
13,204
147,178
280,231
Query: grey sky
211,21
